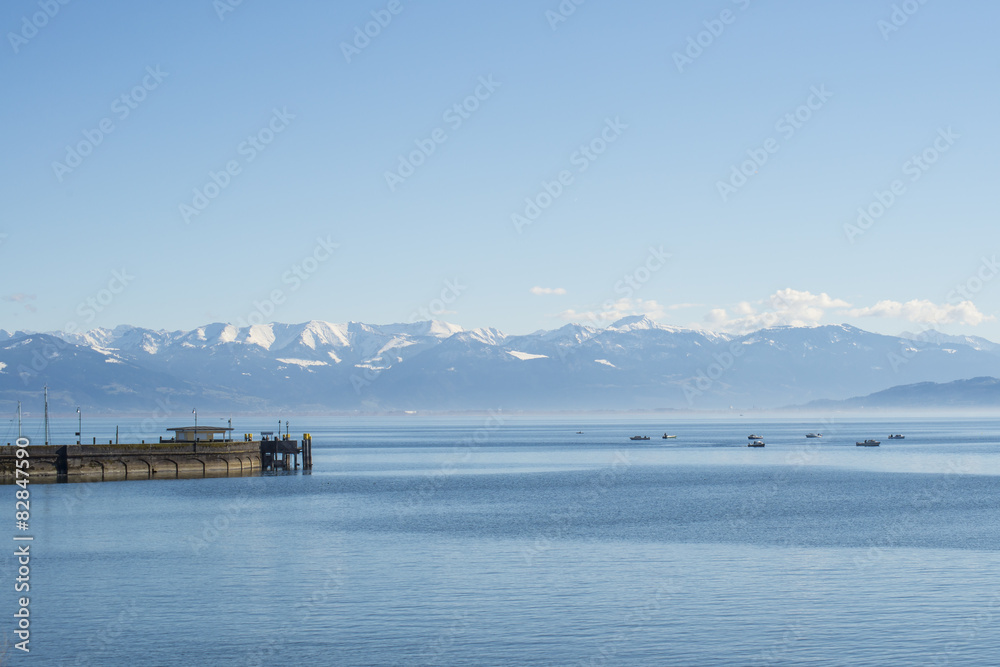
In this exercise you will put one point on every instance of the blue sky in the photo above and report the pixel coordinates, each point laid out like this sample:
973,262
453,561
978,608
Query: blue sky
649,216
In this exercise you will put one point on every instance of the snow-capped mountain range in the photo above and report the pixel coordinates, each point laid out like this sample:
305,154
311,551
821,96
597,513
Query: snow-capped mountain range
317,366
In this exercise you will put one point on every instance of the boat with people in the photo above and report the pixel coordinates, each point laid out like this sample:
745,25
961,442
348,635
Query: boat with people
897,436
665,436
814,435
868,443
755,443
639,437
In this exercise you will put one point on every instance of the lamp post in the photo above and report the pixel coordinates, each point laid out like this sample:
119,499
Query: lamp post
195,412
79,427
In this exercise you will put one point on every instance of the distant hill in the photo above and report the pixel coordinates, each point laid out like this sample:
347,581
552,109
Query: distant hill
979,392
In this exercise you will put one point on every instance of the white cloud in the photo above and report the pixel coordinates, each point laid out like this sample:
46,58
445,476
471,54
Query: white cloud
716,316
925,312
611,311
541,291
784,307
804,309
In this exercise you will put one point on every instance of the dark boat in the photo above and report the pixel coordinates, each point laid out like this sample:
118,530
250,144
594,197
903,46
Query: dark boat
755,437
868,443
639,437
897,437
814,435
755,443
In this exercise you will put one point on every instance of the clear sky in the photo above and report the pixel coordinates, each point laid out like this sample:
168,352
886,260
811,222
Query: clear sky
174,164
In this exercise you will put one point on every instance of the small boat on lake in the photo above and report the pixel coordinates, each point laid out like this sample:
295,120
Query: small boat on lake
868,443
665,436
814,435
755,443
755,437
639,437
897,437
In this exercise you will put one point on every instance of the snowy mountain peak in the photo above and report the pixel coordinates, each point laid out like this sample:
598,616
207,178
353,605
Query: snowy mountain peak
487,335
634,323
432,328
938,338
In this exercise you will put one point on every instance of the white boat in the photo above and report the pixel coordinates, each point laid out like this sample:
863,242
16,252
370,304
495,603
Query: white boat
755,443
665,436
897,437
755,437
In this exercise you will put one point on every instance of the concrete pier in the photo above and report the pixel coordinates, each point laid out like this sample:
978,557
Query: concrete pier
199,451
135,461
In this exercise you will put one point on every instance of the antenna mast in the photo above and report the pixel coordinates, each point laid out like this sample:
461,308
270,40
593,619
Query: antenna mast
46,414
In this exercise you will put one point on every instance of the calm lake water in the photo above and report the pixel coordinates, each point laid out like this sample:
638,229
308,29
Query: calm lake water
490,541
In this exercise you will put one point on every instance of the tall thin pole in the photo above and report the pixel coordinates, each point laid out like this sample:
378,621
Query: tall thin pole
19,420
195,411
79,432
46,414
